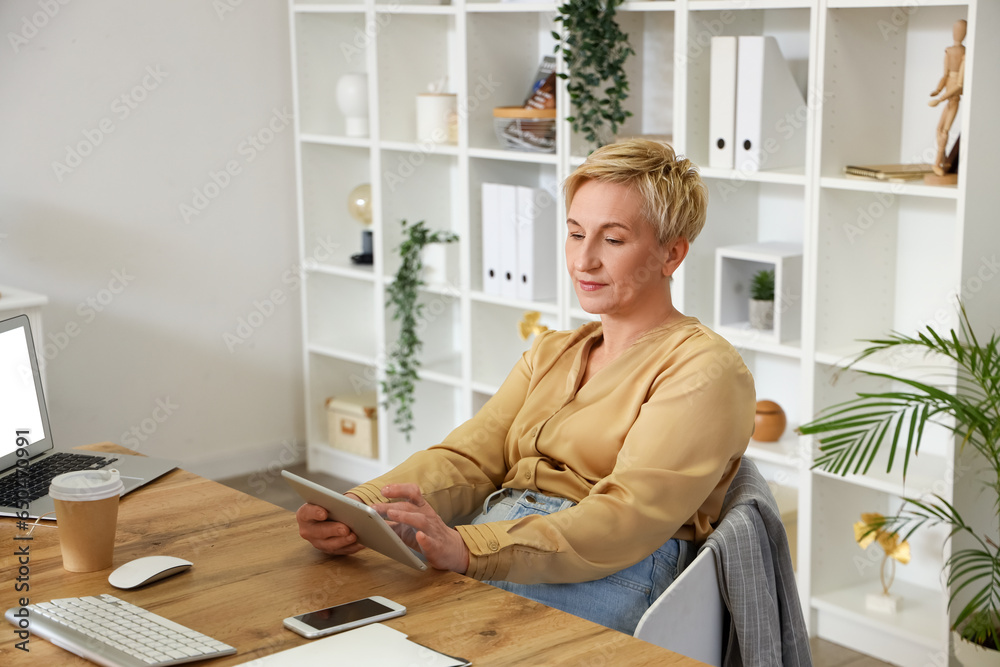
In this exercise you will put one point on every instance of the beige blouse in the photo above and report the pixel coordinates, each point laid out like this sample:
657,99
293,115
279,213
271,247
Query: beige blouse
647,448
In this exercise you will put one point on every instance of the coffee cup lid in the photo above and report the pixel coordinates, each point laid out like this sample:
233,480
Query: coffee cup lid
83,485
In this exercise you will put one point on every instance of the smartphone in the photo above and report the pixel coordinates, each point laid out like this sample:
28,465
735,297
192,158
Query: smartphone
344,617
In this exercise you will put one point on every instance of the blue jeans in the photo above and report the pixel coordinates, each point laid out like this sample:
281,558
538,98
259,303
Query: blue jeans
618,600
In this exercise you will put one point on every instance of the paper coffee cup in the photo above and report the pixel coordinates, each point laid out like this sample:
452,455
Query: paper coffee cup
87,515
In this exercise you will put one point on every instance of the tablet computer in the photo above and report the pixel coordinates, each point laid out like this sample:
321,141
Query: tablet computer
371,529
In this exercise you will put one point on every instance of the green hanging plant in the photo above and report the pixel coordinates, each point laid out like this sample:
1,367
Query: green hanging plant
402,295
595,50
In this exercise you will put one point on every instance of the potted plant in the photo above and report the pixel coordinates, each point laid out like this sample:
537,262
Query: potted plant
852,433
595,50
762,299
402,294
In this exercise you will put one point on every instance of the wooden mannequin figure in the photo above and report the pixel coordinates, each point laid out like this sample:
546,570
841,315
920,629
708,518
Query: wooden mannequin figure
951,83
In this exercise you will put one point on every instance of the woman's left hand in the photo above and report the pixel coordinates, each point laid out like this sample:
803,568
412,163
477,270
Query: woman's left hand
421,528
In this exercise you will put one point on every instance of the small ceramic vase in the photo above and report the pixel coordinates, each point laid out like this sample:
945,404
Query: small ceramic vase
352,98
769,422
761,314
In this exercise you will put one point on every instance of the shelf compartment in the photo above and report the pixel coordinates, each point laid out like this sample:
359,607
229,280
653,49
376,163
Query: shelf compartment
329,173
789,25
504,52
650,75
895,123
905,638
734,271
496,344
889,261
339,378
929,471
436,413
538,176
421,186
739,213
439,328
338,307
779,379
321,62
415,51
845,572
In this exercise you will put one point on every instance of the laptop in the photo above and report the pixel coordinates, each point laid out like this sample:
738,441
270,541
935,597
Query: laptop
28,458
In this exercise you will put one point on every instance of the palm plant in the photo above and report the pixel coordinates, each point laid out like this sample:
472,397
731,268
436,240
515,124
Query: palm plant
852,433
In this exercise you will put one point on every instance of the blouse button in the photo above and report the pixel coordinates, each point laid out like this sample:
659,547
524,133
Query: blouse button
527,474
494,546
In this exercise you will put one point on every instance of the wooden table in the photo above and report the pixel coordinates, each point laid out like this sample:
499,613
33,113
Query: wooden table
251,570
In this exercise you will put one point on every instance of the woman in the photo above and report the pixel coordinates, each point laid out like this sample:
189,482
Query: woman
608,450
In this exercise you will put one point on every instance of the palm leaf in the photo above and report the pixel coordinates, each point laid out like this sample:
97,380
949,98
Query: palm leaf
851,434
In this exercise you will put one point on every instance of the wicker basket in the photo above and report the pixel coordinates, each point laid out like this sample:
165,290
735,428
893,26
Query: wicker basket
525,129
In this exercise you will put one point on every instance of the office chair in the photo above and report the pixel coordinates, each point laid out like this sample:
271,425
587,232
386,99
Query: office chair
737,603
689,617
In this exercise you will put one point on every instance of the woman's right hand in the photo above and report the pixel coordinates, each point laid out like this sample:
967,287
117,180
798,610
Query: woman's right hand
331,537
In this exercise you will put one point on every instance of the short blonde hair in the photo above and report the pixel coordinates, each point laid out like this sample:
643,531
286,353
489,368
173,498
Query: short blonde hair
674,198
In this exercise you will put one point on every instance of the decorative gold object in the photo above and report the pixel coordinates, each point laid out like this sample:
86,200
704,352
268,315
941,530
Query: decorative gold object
870,529
359,205
529,325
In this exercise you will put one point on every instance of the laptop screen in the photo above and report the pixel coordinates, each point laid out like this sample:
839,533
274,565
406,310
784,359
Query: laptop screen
22,406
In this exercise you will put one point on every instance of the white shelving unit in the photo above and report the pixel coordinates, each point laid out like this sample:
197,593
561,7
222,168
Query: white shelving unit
875,257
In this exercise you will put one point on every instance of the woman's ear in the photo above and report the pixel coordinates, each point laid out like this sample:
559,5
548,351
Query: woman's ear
676,251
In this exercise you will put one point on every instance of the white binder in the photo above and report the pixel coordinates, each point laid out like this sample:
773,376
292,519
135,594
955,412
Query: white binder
766,98
722,103
536,246
491,238
508,240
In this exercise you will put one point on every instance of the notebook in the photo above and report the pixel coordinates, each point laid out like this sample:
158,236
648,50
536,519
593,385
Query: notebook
28,458
890,172
374,644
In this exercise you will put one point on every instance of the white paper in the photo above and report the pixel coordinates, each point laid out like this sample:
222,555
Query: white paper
375,644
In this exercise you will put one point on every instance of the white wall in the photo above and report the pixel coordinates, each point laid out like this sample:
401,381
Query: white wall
148,351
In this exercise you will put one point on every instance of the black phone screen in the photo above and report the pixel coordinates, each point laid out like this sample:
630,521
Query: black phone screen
331,617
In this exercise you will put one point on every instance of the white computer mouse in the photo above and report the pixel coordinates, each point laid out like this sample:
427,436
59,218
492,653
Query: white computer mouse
142,571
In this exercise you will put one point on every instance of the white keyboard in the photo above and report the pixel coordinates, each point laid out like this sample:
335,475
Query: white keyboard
112,632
